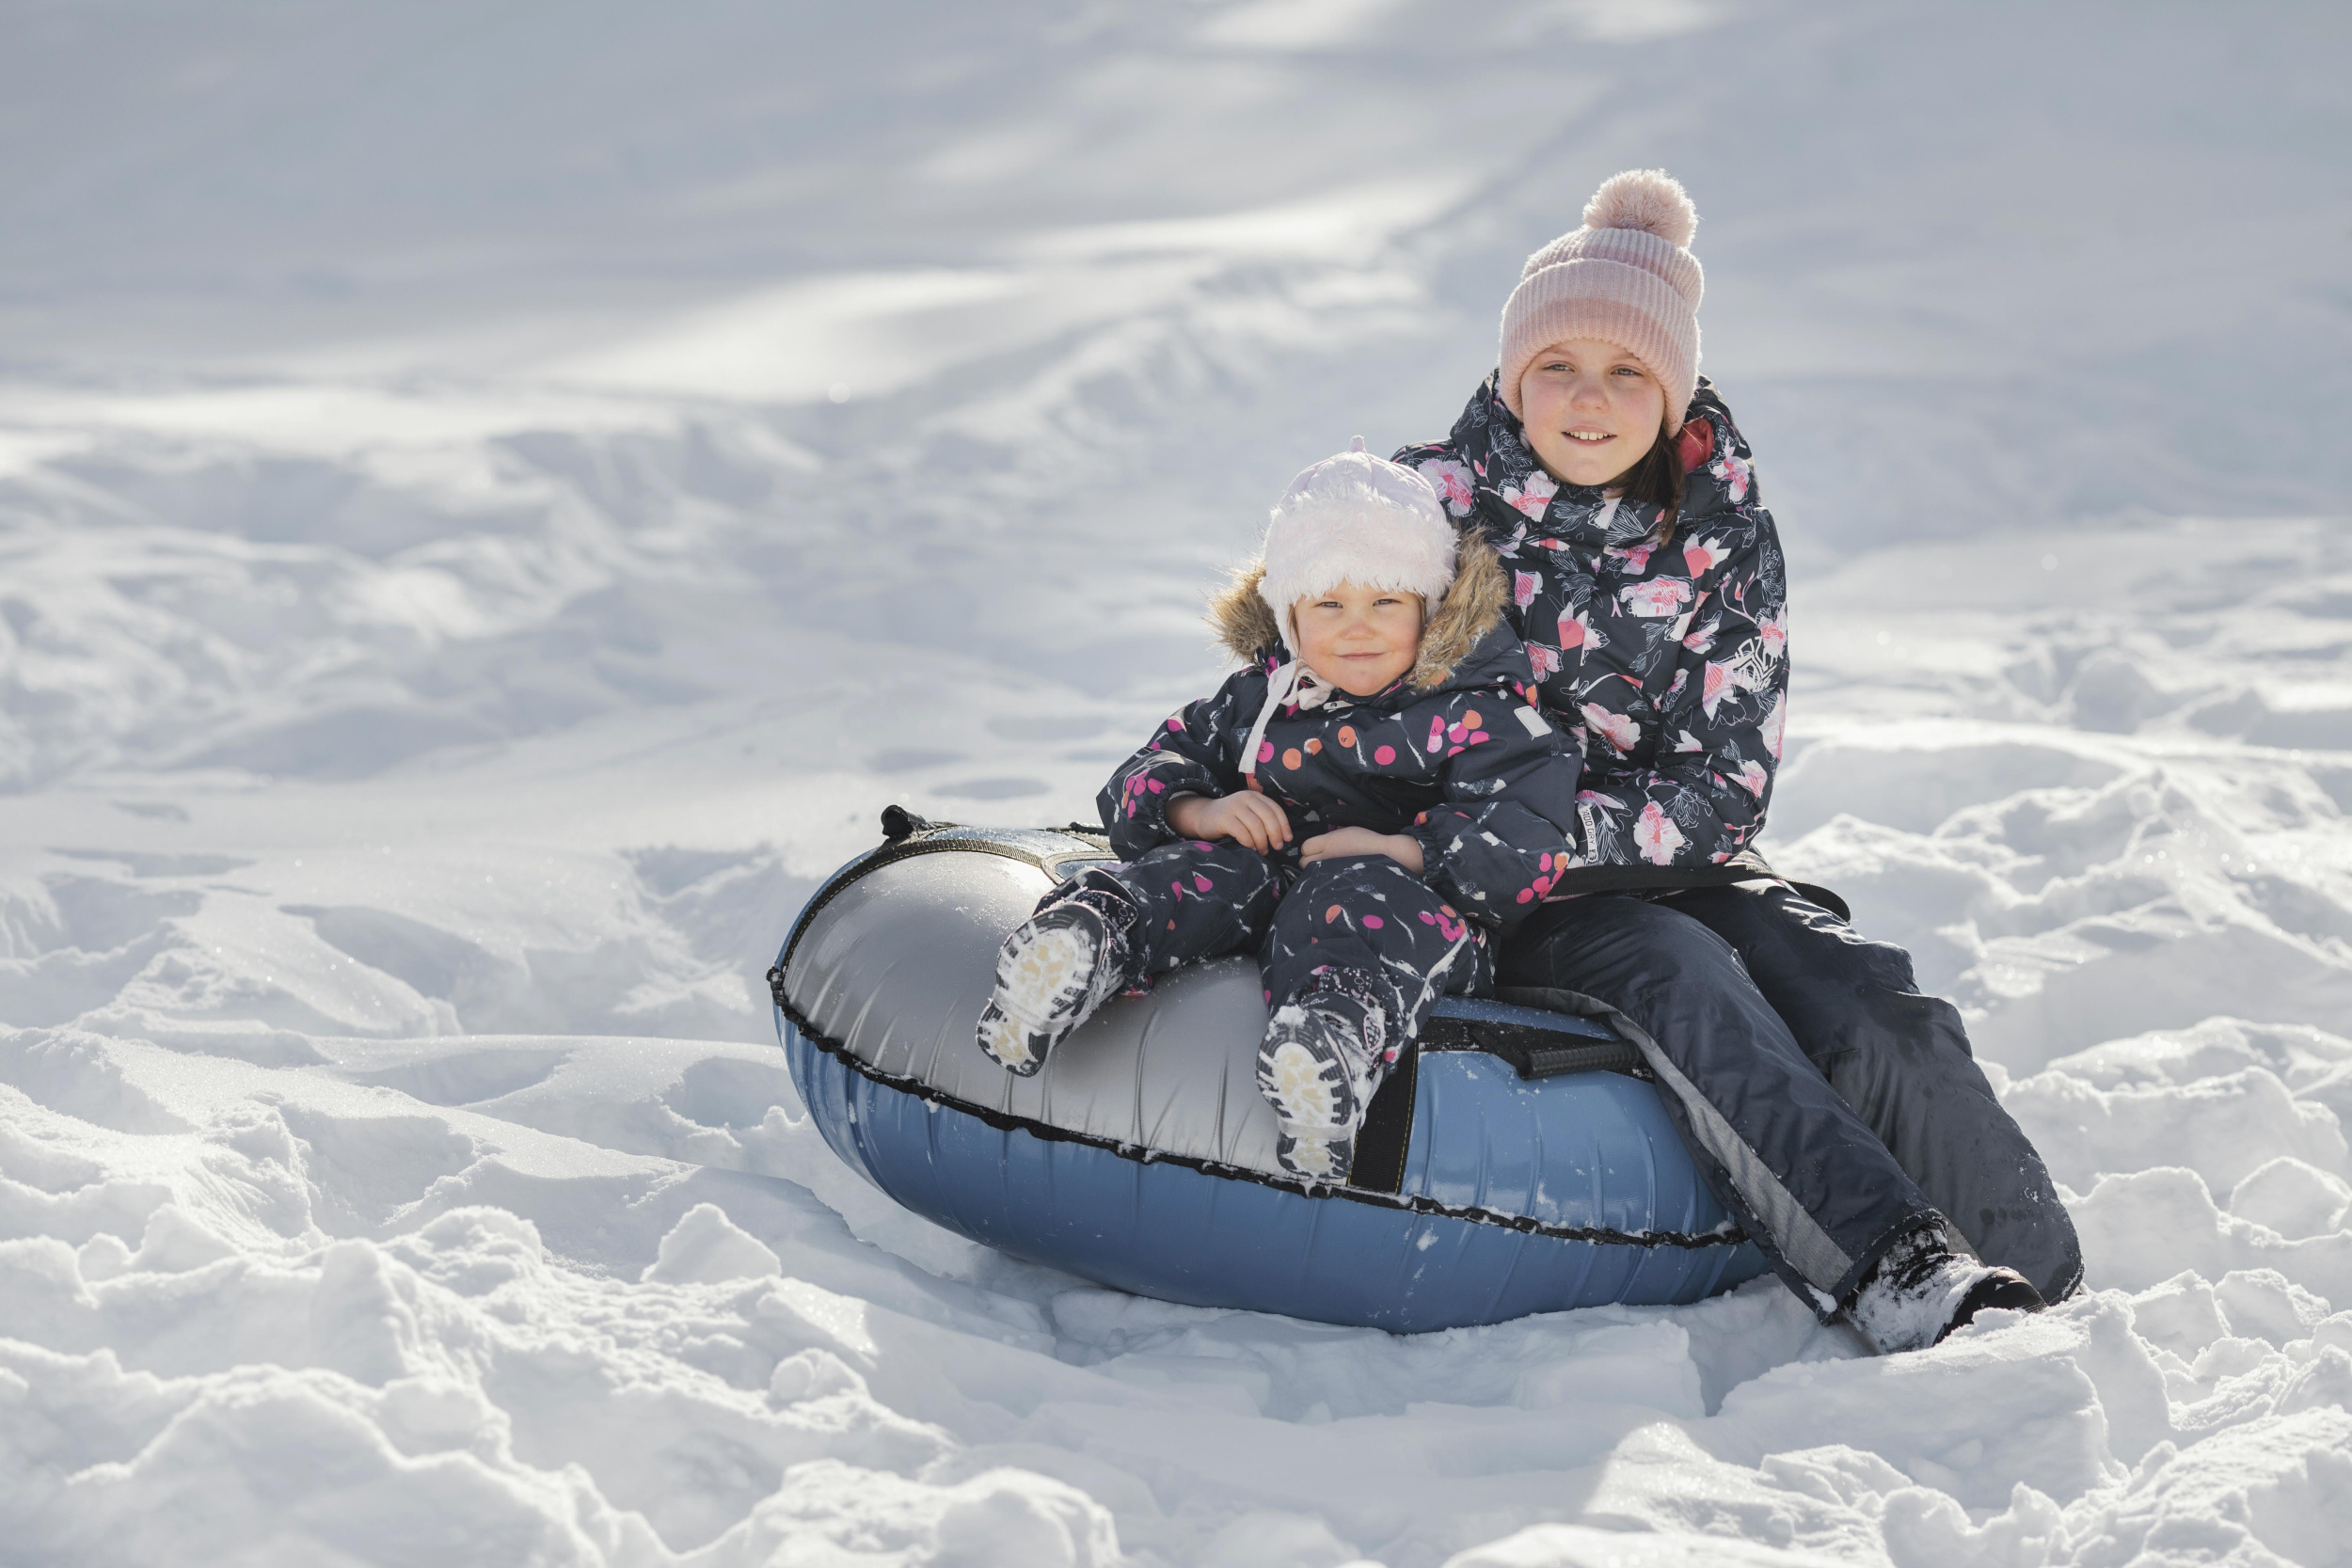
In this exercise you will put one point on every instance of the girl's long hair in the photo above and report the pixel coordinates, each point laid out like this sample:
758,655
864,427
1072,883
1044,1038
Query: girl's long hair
1657,477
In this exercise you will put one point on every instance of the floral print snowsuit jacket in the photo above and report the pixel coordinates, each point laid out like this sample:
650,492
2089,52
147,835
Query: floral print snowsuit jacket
1455,754
1661,644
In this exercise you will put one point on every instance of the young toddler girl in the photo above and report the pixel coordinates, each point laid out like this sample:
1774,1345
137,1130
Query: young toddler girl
1365,805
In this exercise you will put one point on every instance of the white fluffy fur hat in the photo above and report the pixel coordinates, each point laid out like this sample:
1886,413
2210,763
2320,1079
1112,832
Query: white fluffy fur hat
1356,518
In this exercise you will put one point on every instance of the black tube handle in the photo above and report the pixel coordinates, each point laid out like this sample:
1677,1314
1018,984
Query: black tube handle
898,823
1551,1061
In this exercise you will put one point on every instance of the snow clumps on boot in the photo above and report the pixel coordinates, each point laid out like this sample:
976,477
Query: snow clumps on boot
1053,972
1921,1290
1316,1068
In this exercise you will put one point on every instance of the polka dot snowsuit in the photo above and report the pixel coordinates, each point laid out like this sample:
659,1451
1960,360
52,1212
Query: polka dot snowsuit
1464,764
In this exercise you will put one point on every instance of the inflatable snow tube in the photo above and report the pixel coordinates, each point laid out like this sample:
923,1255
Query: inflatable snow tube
1511,1164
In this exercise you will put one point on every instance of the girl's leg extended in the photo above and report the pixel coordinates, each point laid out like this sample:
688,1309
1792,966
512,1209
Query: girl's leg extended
1358,952
1901,1060
1805,1175
1112,927
1366,928
1181,902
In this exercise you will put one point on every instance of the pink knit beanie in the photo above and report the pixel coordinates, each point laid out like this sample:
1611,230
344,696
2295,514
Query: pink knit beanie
1627,278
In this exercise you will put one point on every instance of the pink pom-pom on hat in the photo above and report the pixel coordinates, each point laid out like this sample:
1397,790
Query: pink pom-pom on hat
1627,278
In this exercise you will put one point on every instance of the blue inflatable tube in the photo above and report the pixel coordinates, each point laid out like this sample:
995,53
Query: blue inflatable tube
1513,1164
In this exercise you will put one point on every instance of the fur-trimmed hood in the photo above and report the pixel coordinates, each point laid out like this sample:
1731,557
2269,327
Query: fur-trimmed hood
1469,613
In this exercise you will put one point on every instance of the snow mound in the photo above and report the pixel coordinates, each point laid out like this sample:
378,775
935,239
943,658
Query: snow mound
706,1248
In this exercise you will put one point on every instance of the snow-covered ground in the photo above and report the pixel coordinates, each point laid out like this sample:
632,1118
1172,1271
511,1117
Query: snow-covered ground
494,499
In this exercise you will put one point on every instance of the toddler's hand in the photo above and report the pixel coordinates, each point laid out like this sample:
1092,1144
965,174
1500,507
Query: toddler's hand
1401,847
1252,819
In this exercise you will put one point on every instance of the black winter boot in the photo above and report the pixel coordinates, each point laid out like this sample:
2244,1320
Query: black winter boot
1053,972
1919,1291
1317,1068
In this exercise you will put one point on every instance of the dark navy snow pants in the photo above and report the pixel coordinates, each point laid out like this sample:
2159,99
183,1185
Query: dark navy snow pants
1831,1106
1902,1061
1362,929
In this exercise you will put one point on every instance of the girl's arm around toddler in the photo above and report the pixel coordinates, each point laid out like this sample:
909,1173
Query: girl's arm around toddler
1506,827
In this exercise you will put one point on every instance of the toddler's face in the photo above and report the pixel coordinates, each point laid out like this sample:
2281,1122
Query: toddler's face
1361,639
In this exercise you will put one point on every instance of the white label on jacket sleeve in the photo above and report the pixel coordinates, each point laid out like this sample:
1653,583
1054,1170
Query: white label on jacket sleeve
1532,722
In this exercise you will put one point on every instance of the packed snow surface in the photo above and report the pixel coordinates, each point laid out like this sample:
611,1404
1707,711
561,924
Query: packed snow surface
494,499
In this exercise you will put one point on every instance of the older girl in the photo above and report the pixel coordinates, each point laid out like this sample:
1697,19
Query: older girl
1834,1109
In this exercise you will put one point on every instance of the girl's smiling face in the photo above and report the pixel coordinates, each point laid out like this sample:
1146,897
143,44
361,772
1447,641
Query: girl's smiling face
1359,640
1591,411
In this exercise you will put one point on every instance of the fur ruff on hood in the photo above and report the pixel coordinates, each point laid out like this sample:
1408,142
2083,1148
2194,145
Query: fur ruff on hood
1471,608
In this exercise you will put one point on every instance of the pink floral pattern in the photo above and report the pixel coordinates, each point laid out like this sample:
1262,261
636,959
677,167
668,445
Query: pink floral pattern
1532,499
1734,472
1453,484
1656,598
1657,835
1616,728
